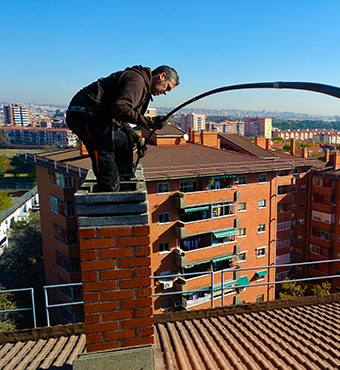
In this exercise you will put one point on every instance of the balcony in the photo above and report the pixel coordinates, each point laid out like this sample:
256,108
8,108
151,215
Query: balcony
210,243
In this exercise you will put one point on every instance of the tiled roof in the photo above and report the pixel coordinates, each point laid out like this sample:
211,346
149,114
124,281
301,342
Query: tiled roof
246,146
42,354
186,161
298,336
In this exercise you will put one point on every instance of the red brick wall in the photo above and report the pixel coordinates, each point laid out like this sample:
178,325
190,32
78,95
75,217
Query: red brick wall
116,271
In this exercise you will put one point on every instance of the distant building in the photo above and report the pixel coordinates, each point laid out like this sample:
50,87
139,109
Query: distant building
258,127
17,114
193,121
34,136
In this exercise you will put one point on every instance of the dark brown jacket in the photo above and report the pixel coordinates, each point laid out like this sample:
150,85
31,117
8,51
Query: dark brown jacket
123,96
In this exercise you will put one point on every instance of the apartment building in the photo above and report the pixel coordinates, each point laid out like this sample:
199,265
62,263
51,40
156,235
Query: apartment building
193,121
324,241
258,127
35,136
17,114
211,209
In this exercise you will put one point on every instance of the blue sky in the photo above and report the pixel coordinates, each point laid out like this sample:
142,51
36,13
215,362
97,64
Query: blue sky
51,49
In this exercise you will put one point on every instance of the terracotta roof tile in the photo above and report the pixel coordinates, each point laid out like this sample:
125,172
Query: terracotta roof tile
297,338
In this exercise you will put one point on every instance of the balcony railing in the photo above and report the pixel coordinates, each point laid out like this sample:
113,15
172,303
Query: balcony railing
216,290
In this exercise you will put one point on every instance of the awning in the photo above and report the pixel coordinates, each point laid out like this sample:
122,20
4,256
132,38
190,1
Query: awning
243,280
262,273
222,234
187,210
223,258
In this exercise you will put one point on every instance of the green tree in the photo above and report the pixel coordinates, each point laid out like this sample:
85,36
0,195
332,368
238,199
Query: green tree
24,257
7,322
5,140
5,200
5,165
292,290
25,246
322,289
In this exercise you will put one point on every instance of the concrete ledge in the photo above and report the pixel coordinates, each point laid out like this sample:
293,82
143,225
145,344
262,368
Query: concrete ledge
126,207
130,358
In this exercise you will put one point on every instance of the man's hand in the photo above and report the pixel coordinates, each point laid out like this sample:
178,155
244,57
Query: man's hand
158,122
141,147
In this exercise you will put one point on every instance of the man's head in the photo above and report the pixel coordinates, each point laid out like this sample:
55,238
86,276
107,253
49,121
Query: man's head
164,79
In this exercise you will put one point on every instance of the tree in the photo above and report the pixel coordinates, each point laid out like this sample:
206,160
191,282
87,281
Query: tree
25,246
5,140
24,258
5,200
322,289
4,165
292,290
7,322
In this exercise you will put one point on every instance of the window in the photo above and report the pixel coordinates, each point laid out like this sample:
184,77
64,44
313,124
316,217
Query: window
301,221
294,189
284,242
164,247
242,180
164,218
261,228
303,187
260,252
262,203
60,180
68,237
186,186
163,187
302,205
242,206
223,209
166,303
69,265
241,257
62,207
242,232
262,178
260,298
284,224
303,169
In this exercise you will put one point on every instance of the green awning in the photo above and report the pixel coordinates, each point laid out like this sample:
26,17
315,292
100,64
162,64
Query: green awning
243,280
187,210
262,273
223,258
222,234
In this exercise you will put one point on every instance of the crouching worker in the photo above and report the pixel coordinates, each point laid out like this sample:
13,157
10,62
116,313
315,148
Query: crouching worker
100,114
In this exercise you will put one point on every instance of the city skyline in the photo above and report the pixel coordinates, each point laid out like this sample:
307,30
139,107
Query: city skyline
53,49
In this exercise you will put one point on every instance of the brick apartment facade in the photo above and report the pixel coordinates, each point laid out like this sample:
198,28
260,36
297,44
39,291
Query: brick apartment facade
242,206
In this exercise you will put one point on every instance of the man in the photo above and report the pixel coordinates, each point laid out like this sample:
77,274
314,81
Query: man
112,103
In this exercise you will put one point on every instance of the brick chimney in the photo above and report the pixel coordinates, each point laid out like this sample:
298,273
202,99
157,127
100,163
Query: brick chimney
261,141
209,138
114,241
304,153
292,146
336,160
326,159
268,144
83,150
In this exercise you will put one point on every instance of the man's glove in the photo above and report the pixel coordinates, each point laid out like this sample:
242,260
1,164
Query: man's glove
157,122
141,147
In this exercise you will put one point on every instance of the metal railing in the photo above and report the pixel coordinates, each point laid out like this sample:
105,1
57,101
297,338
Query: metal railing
32,308
48,306
223,286
173,172
55,165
